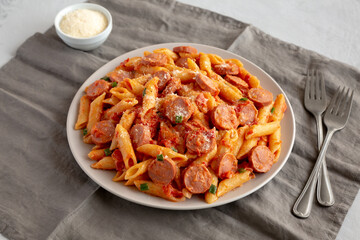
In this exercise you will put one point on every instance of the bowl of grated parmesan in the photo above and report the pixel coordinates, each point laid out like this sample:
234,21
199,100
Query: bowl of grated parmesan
83,26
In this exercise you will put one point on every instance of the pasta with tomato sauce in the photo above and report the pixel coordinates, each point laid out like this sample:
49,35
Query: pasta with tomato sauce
177,123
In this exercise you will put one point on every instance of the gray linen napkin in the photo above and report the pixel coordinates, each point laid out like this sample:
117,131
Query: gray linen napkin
44,192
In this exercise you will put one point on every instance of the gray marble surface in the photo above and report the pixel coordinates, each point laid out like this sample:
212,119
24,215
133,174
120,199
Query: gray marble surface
328,27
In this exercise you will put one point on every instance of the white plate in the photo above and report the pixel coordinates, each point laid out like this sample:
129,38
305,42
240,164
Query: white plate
103,178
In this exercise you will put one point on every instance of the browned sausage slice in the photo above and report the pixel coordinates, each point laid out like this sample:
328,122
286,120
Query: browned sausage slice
238,82
154,59
185,49
246,113
261,159
164,78
182,62
207,84
102,132
226,68
173,85
224,117
97,88
140,134
162,171
120,75
197,179
200,141
224,166
261,97
178,109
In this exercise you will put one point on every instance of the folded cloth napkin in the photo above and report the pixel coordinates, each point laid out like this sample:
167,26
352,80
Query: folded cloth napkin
45,194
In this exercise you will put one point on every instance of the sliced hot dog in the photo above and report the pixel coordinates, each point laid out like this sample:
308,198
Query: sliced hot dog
173,85
119,76
246,113
178,109
185,49
164,78
261,97
154,59
97,88
224,117
200,141
261,159
162,171
226,68
140,134
238,82
225,165
207,84
182,62
102,132
197,179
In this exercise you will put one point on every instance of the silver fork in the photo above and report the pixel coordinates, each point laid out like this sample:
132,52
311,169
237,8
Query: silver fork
315,102
335,118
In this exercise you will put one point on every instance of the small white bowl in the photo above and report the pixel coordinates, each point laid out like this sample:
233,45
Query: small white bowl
89,43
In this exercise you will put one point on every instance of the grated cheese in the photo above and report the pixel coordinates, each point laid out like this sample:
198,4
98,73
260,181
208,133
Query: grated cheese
83,23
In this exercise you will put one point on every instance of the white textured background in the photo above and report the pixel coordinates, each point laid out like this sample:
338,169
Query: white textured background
329,27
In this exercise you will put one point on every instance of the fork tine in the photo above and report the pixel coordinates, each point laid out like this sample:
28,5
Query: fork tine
312,87
317,85
322,86
340,100
307,86
349,97
333,101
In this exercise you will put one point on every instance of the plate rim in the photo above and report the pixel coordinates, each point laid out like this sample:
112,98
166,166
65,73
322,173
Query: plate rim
176,205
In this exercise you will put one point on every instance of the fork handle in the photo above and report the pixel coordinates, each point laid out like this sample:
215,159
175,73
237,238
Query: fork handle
324,194
303,204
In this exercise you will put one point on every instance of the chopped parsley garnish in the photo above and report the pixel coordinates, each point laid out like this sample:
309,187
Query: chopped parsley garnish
114,84
84,131
160,157
144,187
241,170
212,189
107,152
144,92
272,110
106,78
243,99
174,149
178,119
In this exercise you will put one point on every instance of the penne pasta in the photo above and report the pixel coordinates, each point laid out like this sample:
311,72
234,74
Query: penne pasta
154,150
83,115
137,170
278,109
159,190
121,93
124,144
210,195
106,163
262,130
96,154
235,181
95,112
240,140
245,148
149,96
275,144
